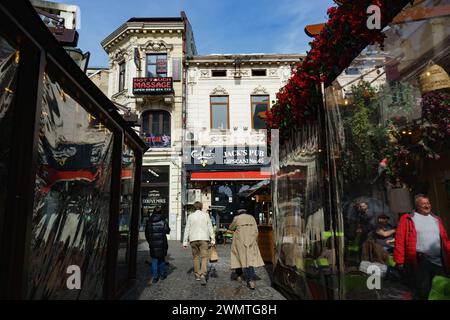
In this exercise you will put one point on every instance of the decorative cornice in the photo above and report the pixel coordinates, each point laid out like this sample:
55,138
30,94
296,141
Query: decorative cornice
219,90
120,55
260,90
156,46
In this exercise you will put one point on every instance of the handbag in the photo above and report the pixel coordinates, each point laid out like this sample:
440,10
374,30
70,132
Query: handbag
213,255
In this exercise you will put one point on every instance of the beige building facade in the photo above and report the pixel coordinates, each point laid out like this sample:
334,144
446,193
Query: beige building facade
146,57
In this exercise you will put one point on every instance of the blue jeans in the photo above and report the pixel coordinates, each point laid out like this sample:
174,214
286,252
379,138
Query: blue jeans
248,273
161,264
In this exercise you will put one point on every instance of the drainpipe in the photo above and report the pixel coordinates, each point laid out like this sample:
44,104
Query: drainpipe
183,130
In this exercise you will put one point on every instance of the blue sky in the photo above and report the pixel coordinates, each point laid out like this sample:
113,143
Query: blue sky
220,26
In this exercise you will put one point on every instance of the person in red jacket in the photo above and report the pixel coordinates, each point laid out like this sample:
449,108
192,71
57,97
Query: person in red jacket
422,247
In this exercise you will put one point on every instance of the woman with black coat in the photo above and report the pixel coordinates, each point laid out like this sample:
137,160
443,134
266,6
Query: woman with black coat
156,232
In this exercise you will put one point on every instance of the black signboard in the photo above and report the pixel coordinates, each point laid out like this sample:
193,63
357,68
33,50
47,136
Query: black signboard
152,85
207,157
72,156
153,197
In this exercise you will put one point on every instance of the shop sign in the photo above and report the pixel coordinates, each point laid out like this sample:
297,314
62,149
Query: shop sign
154,197
152,85
157,141
161,66
69,157
242,156
176,69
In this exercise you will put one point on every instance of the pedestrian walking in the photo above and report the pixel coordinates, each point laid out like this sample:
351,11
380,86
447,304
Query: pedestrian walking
156,231
245,254
199,234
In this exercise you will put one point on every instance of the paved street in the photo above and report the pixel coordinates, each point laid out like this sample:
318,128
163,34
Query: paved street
180,283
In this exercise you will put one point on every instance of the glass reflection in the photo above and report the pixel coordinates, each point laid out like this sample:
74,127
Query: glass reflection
393,145
305,258
72,198
388,140
126,211
9,62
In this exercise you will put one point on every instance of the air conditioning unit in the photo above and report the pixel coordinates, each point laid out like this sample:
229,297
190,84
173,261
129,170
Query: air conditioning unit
194,195
191,136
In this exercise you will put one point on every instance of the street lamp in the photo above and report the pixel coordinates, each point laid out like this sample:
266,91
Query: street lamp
80,58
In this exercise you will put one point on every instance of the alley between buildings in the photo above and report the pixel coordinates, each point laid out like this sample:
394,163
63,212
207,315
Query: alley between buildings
180,283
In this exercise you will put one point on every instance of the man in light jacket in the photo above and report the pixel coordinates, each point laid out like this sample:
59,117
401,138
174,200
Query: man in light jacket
200,234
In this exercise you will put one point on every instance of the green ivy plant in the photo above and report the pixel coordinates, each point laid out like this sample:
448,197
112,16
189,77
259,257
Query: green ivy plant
365,137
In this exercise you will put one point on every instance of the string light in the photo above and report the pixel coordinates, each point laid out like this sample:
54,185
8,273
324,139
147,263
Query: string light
63,95
17,58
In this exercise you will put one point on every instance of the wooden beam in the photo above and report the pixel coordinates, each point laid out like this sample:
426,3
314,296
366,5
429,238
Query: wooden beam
417,14
314,29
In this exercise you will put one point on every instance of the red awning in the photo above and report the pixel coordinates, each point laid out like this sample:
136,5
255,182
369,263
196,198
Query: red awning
230,175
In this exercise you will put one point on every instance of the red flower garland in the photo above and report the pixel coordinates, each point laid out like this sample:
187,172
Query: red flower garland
344,36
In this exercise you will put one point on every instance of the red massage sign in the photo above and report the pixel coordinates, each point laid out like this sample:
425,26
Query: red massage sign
152,85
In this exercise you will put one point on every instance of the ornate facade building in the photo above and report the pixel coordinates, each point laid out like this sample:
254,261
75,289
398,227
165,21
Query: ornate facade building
226,156
146,57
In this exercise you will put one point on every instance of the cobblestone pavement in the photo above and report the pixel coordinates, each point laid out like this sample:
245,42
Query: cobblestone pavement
181,285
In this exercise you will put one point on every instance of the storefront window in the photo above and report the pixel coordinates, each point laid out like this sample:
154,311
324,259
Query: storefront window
125,214
9,62
156,128
391,142
72,197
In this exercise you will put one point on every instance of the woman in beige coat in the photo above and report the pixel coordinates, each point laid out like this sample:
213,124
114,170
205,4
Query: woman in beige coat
245,255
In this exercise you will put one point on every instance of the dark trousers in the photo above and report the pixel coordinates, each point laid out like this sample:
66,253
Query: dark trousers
421,277
248,273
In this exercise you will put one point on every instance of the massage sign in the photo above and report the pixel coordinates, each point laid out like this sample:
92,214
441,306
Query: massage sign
152,85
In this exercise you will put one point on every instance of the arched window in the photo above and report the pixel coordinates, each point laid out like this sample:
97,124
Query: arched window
156,129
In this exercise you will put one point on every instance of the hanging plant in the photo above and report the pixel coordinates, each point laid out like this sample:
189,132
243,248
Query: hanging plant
343,37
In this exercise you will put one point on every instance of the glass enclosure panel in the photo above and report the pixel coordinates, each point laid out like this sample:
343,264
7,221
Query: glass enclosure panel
304,236
390,141
9,62
125,214
72,198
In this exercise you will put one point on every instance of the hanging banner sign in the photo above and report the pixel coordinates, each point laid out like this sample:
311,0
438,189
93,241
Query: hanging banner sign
161,66
152,85
137,59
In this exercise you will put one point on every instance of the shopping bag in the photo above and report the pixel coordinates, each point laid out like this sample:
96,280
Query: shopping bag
213,255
